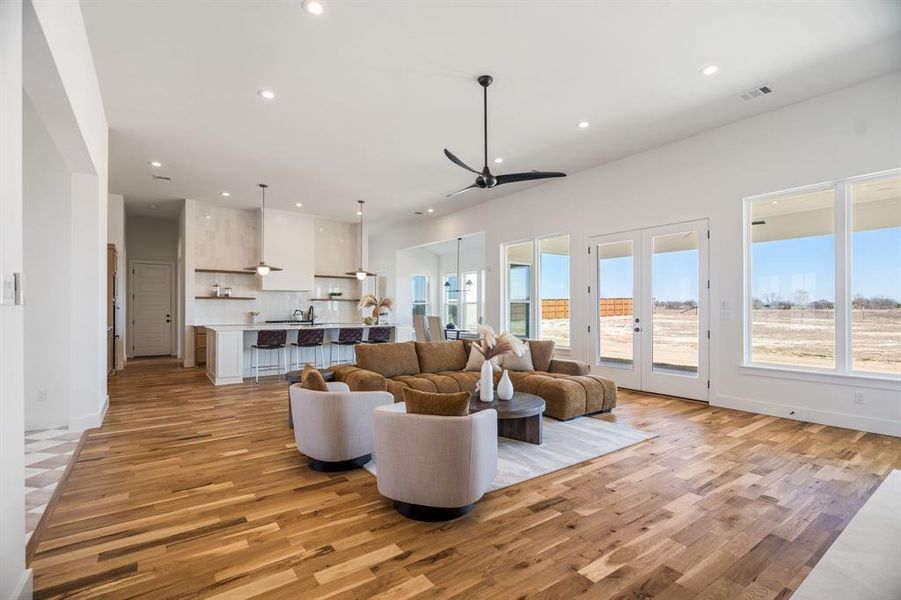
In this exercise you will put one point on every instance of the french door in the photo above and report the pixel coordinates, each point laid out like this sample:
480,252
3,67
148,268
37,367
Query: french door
649,328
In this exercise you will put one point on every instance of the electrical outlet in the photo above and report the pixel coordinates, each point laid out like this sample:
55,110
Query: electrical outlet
42,395
858,398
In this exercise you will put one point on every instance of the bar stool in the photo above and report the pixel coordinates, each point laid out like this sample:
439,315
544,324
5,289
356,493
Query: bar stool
309,338
378,335
346,337
268,339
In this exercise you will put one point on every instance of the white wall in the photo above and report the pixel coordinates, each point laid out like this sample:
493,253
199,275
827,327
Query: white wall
15,580
47,232
845,133
115,234
151,238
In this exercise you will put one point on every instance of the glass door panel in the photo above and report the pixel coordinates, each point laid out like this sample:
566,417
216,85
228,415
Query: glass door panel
675,294
616,293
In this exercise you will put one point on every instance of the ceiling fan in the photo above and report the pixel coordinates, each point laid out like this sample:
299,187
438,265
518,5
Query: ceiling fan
486,179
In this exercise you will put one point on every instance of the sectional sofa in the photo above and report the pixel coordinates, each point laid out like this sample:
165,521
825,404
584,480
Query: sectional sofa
565,385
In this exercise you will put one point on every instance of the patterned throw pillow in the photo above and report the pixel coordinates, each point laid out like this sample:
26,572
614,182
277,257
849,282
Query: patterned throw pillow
311,379
430,403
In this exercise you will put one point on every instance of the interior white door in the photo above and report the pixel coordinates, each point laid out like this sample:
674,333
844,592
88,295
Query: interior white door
151,326
650,301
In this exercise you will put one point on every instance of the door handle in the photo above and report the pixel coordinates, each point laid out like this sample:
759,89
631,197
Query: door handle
636,330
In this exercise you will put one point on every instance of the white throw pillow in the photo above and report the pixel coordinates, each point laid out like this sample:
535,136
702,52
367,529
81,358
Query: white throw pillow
511,362
474,363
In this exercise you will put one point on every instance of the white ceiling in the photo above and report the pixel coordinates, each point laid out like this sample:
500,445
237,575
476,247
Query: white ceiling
370,93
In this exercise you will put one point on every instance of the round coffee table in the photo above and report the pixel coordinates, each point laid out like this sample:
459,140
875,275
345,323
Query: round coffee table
518,418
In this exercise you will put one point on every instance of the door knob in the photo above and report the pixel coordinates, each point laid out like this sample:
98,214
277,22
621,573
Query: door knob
636,330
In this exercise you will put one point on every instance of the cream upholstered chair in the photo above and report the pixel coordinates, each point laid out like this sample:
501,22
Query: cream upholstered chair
436,330
334,428
434,468
421,334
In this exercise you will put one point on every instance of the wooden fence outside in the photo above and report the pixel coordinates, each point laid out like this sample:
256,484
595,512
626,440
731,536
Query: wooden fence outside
558,308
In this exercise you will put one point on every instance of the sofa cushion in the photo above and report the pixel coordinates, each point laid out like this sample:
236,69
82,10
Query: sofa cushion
435,357
388,360
512,362
311,379
445,405
542,352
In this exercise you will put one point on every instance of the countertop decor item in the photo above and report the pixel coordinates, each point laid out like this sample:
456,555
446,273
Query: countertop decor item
217,289
378,307
228,292
361,273
505,387
262,269
254,315
335,294
492,346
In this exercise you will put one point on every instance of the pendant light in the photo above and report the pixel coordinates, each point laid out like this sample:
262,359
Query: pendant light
262,269
468,285
361,273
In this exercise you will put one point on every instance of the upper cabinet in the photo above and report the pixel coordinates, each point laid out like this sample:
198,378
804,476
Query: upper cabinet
289,244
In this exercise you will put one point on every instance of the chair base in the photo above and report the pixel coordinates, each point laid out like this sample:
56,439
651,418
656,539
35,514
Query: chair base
328,466
430,514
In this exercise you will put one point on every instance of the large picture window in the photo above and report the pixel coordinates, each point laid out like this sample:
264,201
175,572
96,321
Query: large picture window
421,303
538,269
824,277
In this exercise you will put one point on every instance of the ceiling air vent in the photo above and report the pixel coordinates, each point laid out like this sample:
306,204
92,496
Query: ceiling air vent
756,93
161,177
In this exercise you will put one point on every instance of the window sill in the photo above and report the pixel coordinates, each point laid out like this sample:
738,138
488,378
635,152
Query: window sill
878,382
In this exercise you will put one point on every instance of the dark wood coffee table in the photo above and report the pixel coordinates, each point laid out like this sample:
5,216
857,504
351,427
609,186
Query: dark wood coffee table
518,418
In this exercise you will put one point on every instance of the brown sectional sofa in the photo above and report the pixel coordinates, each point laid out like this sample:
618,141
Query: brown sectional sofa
565,385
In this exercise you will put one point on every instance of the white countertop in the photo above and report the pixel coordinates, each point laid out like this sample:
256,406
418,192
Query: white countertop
263,326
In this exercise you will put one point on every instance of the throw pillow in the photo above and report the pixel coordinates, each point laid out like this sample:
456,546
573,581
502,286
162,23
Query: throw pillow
437,357
476,359
311,379
511,362
430,403
542,353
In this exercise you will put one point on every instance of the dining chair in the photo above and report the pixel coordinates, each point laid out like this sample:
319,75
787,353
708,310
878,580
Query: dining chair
436,330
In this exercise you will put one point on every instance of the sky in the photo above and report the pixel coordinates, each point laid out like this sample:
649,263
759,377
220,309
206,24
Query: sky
781,266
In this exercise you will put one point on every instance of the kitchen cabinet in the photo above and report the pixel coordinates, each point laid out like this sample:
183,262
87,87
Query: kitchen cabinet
288,243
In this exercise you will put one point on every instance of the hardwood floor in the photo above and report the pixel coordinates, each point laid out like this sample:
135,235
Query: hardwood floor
194,491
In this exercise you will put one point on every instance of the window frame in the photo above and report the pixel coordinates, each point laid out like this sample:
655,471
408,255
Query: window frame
534,285
842,231
428,293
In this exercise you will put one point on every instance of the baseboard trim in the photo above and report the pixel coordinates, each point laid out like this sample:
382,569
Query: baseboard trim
89,421
24,587
812,415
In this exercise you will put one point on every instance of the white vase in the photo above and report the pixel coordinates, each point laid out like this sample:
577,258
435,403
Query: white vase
486,382
505,387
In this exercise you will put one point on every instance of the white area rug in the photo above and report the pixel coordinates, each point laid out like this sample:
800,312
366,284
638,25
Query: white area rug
566,443
864,562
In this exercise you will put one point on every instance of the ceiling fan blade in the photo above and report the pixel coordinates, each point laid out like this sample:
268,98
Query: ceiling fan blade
514,177
459,162
466,189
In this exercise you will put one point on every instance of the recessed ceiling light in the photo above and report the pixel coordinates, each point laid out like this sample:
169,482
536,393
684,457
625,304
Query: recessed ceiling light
298,204
774,202
583,124
266,94
207,217
156,164
709,70
225,194
314,7
154,206
498,160
431,210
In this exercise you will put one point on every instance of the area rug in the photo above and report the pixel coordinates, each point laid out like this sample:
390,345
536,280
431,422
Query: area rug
566,443
864,562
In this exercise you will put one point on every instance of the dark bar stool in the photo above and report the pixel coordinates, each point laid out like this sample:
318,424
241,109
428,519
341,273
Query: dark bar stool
346,337
268,339
309,338
378,335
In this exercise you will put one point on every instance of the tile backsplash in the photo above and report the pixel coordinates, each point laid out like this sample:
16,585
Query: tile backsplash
228,238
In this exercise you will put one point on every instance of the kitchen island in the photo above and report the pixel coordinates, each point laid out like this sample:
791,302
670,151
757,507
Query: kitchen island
228,349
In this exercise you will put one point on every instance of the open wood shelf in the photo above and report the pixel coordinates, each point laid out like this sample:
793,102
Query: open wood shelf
354,277
223,298
227,271
338,299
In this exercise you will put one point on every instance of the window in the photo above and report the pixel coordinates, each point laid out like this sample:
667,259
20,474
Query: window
549,283
824,277
471,300
421,304
876,275
451,301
